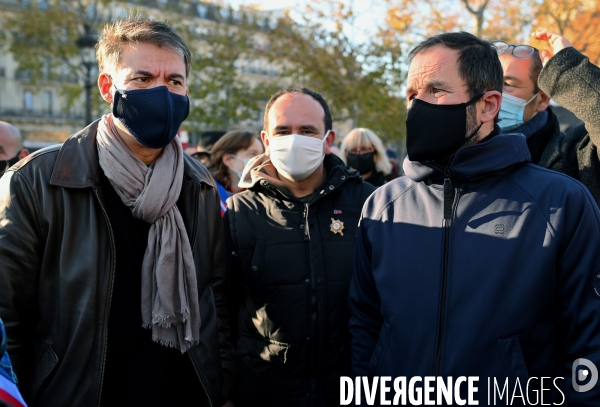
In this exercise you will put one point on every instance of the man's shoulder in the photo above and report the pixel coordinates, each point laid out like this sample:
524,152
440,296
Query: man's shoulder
386,195
545,184
40,162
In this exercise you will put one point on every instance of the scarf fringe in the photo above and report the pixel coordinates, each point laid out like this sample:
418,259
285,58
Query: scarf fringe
189,343
167,321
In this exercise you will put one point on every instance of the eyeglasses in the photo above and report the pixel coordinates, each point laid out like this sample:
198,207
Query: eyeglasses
362,150
518,51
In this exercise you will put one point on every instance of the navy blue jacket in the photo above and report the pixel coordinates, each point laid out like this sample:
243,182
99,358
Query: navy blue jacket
507,286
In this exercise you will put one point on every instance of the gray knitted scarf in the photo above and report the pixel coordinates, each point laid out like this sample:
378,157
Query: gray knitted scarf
169,289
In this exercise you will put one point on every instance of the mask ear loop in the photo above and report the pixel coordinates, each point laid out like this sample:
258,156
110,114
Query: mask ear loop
470,137
534,96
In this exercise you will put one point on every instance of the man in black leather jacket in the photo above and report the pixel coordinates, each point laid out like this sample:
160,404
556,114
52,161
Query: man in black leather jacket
112,256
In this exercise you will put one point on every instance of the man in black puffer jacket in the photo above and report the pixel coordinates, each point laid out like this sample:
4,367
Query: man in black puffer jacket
292,233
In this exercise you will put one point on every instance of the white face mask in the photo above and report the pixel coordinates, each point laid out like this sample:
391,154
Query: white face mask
512,110
245,161
296,156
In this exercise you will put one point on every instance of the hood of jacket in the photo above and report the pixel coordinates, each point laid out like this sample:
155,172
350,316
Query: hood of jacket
475,161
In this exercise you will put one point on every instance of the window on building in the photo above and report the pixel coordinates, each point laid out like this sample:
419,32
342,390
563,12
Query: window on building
27,101
202,10
47,102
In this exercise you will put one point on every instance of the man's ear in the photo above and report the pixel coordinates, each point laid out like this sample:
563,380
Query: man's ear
329,142
24,153
543,102
105,85
265,140
491,105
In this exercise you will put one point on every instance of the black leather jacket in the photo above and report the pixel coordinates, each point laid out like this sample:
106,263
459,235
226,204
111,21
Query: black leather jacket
57,261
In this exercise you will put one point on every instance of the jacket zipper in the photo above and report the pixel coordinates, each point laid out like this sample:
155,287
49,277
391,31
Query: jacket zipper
112,281
204,386
306,228
448,208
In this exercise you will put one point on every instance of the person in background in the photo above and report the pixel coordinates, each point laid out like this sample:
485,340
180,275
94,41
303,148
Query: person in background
229,157
531,78
9,392
363,150
394,160
11,146
203,155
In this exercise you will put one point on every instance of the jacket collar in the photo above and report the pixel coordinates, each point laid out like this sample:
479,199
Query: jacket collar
77,164
476,160
552,151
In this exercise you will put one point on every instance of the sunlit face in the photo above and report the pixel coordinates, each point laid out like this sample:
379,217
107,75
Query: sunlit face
518,83
433,78
146,66
296,113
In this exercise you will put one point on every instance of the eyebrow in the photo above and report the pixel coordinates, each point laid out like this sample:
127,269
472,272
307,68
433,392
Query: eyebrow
150,74
432,84
303,127
512,78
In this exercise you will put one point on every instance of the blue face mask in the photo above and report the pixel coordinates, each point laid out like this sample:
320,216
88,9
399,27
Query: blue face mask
152,116
512,110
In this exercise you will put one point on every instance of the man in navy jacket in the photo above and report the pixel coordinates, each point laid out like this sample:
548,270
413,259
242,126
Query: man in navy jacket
477,263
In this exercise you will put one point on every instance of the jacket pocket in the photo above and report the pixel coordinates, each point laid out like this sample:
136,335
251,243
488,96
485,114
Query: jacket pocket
380,350
253,262
514,361
46,364
262,350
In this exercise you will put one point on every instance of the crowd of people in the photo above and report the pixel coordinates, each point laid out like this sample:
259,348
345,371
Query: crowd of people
262,268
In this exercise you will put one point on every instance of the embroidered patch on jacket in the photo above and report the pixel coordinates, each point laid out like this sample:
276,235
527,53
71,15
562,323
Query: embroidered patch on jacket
337,226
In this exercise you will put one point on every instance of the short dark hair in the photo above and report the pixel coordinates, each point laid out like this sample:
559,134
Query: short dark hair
478,62
306,91
534,69
115,36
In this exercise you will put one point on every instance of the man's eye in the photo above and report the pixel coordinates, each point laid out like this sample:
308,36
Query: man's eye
143,79
176,83
436,90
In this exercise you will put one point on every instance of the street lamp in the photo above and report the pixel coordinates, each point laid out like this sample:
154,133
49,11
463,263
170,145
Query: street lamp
86,43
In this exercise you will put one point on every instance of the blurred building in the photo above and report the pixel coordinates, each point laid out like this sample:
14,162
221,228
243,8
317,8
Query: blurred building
40,110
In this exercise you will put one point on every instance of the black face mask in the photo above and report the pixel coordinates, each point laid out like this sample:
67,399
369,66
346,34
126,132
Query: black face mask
152,116
435,132
6,164
362,163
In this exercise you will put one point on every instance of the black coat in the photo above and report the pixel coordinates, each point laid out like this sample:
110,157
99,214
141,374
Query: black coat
570,79
57,265
290,280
